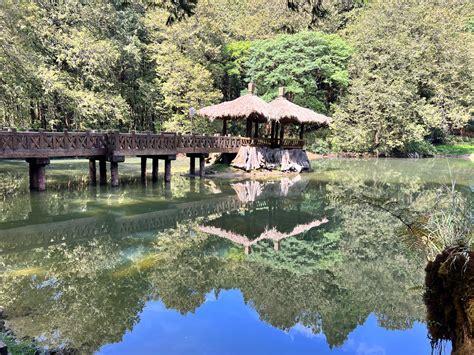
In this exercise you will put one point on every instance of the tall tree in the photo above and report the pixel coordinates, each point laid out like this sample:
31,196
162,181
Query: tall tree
411,74
311,65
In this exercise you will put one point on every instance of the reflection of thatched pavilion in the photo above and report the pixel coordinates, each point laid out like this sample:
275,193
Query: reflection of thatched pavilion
251,190
269,234
274,220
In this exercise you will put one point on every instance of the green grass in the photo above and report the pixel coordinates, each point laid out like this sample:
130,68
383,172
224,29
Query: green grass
21,347
461,148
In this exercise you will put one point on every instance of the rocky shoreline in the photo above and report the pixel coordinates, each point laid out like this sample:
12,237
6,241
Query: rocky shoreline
10,344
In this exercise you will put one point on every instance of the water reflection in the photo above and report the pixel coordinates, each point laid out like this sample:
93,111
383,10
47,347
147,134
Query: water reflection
79,272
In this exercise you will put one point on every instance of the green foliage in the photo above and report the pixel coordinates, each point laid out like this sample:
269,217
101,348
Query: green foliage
184,85
318,141
412,72
237,54
311,65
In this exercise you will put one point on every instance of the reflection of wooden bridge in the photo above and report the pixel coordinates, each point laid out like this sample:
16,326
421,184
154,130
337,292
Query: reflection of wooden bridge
39,147
21,236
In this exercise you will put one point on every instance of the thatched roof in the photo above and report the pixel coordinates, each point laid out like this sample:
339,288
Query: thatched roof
247,106
286,111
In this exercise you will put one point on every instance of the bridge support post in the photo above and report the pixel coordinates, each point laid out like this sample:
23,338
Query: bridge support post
114,174
102,171
202,166
38,173
192,165
167,170
154,169
143,169
92,173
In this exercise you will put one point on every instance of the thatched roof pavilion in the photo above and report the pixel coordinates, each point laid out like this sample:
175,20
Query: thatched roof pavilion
248,107
286,112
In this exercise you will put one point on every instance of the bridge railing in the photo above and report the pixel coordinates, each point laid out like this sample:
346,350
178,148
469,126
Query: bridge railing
27,144
34,144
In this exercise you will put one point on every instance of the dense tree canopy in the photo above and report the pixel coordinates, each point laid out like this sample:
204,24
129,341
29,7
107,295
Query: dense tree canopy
311,65
411,74
393,74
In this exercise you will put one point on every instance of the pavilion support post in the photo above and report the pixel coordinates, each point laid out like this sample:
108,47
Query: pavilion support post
282,134
102,171
37,169
143,169
202,166
224,128
247,249
256,130
154,169
192,166
276,245
272,132
167,171
249,128
277,129
114,175
92,173
301,130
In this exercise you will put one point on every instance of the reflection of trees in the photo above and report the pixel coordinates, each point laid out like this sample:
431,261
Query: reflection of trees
328,279
69,294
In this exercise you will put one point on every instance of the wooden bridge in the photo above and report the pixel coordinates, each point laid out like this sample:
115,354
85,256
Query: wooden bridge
38,147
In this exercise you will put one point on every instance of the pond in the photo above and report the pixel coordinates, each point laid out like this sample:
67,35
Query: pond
293,265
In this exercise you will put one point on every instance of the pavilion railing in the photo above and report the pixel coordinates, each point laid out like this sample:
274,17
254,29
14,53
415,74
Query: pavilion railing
273,142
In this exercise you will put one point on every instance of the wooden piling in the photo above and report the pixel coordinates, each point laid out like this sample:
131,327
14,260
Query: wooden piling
167,170
102,171
202,166
92,173
143,169
114,174
154,169
37,171
192,165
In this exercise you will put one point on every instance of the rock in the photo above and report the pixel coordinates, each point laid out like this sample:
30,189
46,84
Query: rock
3,348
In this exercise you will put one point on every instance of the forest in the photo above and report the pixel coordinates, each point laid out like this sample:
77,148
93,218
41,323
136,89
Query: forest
395,76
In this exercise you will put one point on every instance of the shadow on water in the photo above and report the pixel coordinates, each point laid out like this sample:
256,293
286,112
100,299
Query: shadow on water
303,252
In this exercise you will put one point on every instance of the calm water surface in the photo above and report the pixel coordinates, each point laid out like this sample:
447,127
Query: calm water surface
305,264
